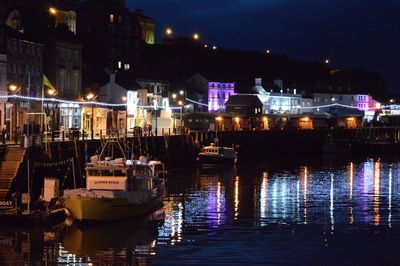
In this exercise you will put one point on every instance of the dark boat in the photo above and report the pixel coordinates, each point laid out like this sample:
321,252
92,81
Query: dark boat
217,155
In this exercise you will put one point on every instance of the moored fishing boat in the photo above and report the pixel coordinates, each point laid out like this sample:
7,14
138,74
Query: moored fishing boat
217,155
117,189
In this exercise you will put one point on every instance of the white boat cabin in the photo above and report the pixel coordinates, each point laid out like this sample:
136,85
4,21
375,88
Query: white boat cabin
129,175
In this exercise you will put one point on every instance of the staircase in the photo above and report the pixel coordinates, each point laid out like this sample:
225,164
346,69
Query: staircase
9,168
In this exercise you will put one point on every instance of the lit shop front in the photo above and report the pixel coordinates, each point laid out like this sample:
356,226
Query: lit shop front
70,115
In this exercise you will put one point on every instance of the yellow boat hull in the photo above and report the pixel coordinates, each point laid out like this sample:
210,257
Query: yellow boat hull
107,209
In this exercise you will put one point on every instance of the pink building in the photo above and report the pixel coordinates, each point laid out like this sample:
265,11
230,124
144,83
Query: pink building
365,102
218,95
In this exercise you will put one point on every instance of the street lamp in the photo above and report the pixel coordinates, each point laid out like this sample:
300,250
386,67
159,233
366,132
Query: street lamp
13,88
168,32
90,97
196,36
327,61
52,10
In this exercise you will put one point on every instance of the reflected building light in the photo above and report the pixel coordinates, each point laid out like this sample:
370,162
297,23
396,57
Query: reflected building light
351,176
264,199
377,176
305,194
219,203
390,198
284,198
331,206
236,197
298,200
274,209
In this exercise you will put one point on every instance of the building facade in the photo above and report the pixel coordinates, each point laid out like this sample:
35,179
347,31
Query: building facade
147,26
218,95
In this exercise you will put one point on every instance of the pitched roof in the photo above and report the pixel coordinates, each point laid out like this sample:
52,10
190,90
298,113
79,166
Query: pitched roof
244,100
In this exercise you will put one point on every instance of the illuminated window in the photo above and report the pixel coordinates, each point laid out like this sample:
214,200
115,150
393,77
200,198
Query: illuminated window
119,64
111,18
126,66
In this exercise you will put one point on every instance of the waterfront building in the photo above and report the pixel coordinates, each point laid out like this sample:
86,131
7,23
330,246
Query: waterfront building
362,102
277,102
218,95
244,104
147,26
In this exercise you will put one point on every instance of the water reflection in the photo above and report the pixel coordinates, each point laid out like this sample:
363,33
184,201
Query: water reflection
210,210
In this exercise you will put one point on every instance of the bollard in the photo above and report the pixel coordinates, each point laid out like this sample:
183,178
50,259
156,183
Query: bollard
63,136
162,131
92,134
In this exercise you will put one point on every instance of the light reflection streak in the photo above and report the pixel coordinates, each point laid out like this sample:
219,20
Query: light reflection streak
305,194
390,198
351,176
377,173
236,197
298,200
331,206
264,197
219,203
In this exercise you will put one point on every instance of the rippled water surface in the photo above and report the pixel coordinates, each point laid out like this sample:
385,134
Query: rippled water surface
317,213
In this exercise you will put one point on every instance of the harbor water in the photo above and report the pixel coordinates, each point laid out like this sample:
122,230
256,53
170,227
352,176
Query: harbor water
325,212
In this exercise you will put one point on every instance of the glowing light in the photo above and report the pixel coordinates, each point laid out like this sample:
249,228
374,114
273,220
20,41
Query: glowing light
237,119
390,198
215,47
265,119
52,10
264,197
89,96
205,46
123,98
168,32
181,92
180,103
174,96
12,87
327,61
218,118
196,36
268,51
51,92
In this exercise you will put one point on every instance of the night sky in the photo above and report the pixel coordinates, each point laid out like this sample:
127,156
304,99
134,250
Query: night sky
352,33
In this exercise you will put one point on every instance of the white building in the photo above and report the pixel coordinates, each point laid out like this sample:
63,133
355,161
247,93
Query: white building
277,102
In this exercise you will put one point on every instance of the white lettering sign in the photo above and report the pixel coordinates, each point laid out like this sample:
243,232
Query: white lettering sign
106,183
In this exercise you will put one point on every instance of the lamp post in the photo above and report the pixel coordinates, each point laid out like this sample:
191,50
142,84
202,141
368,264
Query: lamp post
124,99
13,90
180,103
90,97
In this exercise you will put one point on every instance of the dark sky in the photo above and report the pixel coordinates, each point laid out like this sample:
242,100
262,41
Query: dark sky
352,33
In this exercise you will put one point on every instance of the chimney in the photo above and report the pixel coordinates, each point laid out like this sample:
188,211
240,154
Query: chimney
112,77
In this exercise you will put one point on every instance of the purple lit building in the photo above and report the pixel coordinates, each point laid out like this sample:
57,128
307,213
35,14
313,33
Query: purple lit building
218,95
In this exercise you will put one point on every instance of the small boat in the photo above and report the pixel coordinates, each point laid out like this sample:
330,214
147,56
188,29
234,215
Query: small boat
217,155
117,189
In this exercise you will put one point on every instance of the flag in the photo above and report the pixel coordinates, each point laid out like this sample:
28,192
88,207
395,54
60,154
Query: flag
47,83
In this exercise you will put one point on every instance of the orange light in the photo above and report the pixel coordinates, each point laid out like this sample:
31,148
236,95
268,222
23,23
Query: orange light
218,118
123,98
180,103
168,32
196,36
12,87
89,96
265,119
51,92
52,10
237,119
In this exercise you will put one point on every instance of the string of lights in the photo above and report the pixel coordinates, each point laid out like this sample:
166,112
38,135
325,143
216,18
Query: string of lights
30,98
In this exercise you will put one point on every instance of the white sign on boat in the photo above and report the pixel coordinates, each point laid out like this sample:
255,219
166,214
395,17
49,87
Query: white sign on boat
106,183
